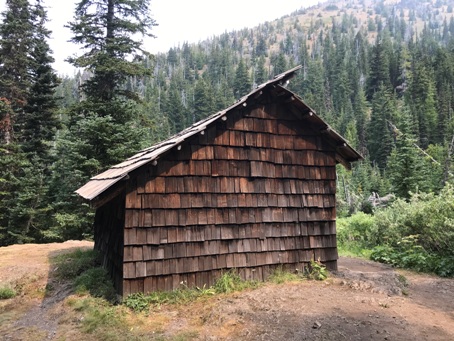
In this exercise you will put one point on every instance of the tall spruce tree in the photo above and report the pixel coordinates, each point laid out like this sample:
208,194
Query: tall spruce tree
406,167
104,127
16,32
379,67
242,83
380,135
203,100
40,120
110,32
28,122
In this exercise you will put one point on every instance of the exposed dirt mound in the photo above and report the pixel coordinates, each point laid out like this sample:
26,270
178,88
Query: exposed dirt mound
362,301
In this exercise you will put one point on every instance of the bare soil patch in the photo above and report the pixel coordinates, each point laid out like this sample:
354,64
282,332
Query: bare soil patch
362,301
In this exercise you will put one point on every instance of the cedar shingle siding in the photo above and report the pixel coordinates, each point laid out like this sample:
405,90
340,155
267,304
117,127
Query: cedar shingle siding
252,190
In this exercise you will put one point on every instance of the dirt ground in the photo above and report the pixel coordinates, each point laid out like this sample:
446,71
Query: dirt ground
362,301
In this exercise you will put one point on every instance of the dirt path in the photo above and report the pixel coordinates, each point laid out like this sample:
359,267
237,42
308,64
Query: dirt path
362,301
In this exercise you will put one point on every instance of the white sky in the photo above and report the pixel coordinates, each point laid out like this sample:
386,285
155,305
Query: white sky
179,21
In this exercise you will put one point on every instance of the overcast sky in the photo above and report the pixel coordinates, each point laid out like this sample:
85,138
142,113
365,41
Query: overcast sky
179,21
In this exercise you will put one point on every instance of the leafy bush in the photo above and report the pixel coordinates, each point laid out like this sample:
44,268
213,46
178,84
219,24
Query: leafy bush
358,228
6,293
96,282
70,265
83,268
416,234
316,270
429,217
412,256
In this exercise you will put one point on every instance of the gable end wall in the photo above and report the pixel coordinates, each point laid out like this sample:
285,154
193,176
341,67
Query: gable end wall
254,192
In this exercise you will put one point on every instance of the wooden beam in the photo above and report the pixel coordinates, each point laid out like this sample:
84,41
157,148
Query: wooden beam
108,195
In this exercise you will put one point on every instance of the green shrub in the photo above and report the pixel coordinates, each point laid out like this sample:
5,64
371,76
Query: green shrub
96,282
230,281
410,255
358,228
316,270
6,293
417,234
429,217
82,267
70,265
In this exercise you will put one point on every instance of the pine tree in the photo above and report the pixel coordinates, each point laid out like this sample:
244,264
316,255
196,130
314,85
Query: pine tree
16,32
406,168
40,121
260,71
361,113
103,127
28,122
423,104
110,38
280,64
242,84
379,68
380,135
203,100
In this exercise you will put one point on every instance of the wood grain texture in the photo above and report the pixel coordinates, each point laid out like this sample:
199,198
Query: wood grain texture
252,193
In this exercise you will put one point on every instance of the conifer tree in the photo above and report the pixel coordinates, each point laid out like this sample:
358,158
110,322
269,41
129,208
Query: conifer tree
28,82
422,100
242,83
40,120
406,168
16,32
203,100
380,135
379,68
260,71
109,38
103,128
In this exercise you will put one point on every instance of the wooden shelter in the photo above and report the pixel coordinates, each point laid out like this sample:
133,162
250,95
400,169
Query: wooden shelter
251,187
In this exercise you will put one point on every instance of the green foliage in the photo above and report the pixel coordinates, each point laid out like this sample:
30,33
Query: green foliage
380,142
230,281
71,265
101,317
408,254
242,84
16,31
358,228
110,33
428,216
83,269
96,282
142,302
316,270
6,293
418,234
280,275
27,123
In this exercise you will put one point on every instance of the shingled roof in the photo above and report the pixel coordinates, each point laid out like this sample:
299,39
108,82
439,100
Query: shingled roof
345,154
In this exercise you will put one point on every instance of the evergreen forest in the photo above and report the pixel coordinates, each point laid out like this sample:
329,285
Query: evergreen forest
379,72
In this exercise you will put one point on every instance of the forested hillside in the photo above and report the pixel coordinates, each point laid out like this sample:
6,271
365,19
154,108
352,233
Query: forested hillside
380,72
